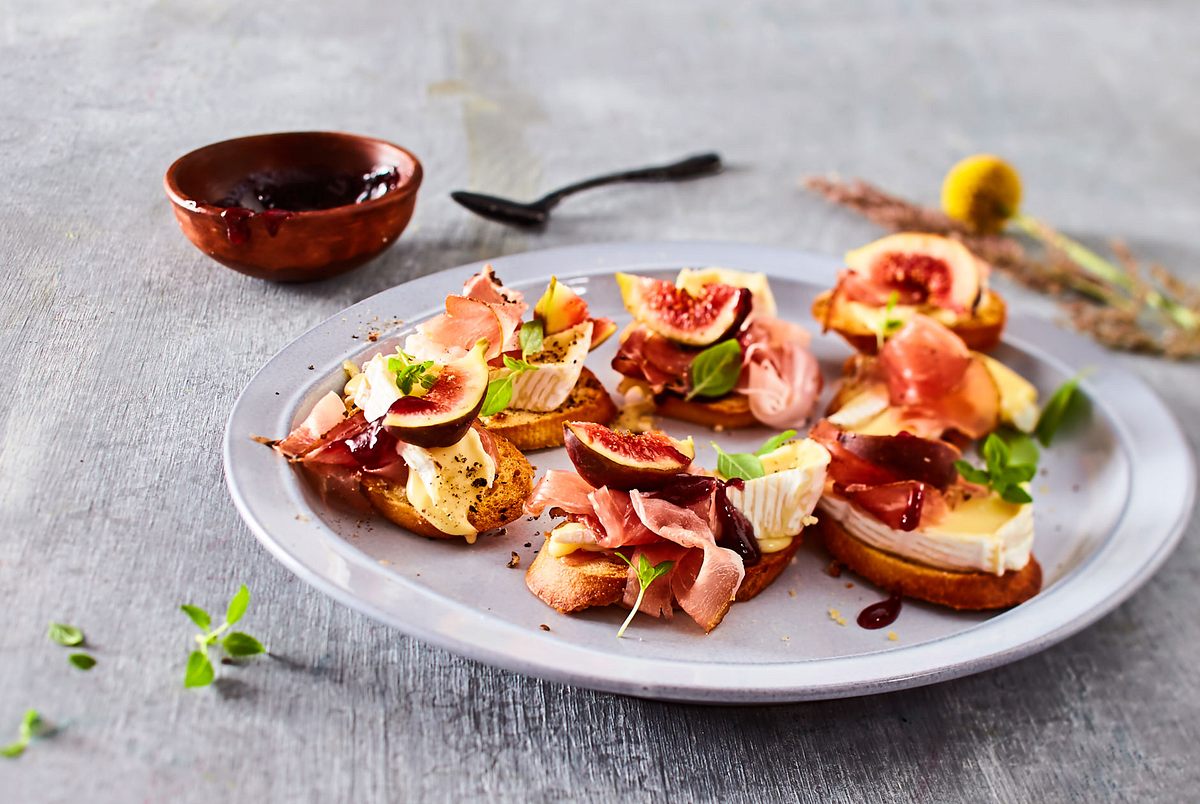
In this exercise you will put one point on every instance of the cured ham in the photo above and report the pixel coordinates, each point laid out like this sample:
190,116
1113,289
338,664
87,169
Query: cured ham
659,598
618,519
780,376
560,489
706,582
899,505
325,415
486,309
923,362
660,363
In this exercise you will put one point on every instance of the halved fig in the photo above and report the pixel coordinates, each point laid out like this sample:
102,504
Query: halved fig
715,314
560,308
922,269
443,415
625,461
602,329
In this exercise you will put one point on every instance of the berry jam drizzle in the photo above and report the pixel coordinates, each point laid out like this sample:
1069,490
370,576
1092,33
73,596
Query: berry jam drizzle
275,197
881,614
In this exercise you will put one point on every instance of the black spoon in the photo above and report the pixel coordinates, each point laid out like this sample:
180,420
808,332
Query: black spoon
536,213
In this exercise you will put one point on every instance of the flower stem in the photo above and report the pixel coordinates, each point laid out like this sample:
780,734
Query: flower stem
1099,267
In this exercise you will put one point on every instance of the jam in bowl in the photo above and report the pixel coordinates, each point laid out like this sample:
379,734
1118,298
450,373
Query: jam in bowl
296,206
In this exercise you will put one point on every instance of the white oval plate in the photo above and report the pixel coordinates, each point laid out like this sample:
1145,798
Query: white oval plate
1113,497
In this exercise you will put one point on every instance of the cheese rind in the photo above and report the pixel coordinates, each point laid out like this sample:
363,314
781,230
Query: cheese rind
983,534
779,503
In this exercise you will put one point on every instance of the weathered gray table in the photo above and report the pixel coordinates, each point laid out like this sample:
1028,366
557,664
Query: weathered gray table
123,349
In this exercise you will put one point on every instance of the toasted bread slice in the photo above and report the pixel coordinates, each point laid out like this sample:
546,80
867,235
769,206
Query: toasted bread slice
971,591
980,330
528,429
503,502
729,412
586,578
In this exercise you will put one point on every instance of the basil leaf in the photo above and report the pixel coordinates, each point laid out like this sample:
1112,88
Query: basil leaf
517,366
499,394
1016,474
1016,494
715,371
1022,450
197,615
82,660
66,635
240,644
533,334
775,442
237,605
199,670
738,464
971,473
1055,412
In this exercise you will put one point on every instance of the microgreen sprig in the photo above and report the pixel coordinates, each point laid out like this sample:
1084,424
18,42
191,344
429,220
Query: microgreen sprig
646,574
748,465
1008,464
31,726
410,373
200,672
890,324
715,371
1057,407
500,390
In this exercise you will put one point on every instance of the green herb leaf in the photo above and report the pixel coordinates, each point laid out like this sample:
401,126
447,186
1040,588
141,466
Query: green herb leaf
646,574
775,442
83,661
533,334
66,635
239,644
199,670
499,394
1016,494
715,371
889,324
197,615
1055,411
237,605
972,474
517,366
738,464
1022,450
31,724
409,373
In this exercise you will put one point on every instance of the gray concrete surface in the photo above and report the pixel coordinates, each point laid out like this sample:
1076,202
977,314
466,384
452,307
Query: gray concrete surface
123,349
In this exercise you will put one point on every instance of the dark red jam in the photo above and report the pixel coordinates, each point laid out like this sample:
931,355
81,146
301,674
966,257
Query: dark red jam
277,196
881,614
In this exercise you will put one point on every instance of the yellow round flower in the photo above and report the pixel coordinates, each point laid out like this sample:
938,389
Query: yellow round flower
982,191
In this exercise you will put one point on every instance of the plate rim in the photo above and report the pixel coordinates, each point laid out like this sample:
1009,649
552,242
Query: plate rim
464,630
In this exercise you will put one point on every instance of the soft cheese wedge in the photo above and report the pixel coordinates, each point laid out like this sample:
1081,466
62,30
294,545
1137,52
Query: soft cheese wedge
983,534
559,365
444,482
780,503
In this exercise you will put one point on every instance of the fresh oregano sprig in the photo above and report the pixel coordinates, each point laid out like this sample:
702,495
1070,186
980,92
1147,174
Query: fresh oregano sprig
410,372
69,636
31,726
715,371
200,672
1007,467
646,574
748,465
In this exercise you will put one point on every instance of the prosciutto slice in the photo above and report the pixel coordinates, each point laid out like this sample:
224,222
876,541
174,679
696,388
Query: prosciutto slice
660,363
705,580
620,523
780,376
897,505
325,415
486,309
660,595
561,489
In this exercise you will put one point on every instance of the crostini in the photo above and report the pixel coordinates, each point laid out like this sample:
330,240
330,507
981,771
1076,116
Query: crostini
710,350
715,539
404,440
887,282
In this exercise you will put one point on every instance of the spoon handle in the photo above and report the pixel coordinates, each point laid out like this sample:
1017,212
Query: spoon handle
691,167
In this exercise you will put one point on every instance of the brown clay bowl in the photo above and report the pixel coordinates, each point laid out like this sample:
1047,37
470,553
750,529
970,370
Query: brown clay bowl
294,246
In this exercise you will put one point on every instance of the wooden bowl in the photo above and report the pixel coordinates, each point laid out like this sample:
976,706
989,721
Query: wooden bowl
291,246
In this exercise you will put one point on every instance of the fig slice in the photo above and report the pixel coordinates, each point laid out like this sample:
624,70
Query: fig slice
922,269
443,414
718,312
560,308
625,461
